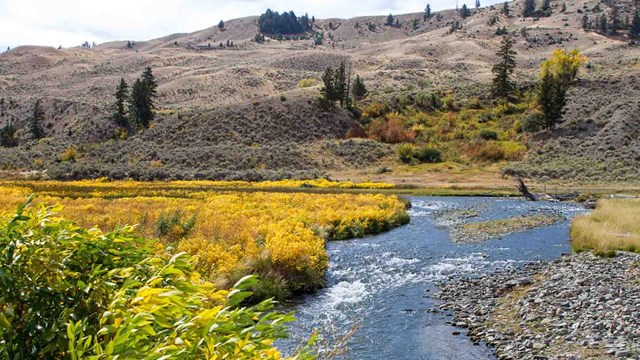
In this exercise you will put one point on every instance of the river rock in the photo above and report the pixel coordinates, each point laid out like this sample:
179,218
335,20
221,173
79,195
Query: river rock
540,310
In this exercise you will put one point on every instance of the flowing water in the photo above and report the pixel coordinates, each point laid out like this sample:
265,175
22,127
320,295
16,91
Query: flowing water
382,285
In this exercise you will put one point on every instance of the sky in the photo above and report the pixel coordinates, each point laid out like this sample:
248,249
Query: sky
72,22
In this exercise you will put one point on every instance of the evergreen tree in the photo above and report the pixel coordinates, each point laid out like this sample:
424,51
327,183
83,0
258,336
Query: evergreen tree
564,7
390,20
604,25
634,32
7,136
427,12
35,123
221,25
552,97
503,86
546,7
615,22
464,11
477,4
585,23
529,8
359,90
328,91
505,8
119,107
142,98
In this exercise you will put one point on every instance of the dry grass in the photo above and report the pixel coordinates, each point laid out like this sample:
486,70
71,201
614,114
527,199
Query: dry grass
612,226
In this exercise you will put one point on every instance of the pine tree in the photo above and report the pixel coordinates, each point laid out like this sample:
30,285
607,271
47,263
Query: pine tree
427,12
503,86
359,90
119,107
477,4
529,8
142,98
604,25
390,20
35,123
7,136
564,8
552,97
585,23
328,91
505,8
615,22
634,32
464,11
546,7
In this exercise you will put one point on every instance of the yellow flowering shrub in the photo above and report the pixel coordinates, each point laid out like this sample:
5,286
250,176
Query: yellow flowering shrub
278,235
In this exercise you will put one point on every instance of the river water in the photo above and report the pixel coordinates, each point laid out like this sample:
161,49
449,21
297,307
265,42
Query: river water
382,286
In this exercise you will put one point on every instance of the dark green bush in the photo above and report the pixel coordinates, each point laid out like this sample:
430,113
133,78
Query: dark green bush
486,134
533,122
428,154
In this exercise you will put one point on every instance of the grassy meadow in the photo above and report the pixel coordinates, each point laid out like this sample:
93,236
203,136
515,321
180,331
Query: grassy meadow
279,236
612,226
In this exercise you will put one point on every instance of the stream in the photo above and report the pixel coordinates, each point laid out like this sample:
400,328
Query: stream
380,287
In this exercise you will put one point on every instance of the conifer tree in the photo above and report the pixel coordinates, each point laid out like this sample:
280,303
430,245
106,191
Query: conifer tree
390,20
329,91
505,8
478,4
503,86
615,22
634,32
119,107
142,98
552,99
564,7
464,11
529,8
35,123
546,7
427,12
221,25
7,136
585,23
604,25
359,90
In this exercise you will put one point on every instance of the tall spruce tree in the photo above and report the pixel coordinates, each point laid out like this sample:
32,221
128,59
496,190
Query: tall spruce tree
390,20
505,8
7,136
634,32
120,106
529,8
546,7
478,4
328,90
142,98
503,86
552,97
359,90
427,12
464,11
604,25
35,123
585,23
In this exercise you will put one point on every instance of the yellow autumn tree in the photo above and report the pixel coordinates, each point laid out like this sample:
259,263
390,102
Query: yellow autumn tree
564,65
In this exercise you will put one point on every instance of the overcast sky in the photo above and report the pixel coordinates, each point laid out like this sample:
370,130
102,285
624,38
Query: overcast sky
71,22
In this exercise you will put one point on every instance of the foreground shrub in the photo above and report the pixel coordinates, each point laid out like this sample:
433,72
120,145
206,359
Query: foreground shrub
73,293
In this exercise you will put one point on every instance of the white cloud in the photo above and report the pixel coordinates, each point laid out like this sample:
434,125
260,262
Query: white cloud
71,22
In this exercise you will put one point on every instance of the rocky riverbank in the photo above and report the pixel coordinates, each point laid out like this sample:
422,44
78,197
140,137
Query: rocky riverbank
475,232
577,307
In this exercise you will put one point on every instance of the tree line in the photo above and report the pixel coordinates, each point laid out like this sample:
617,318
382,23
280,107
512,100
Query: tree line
287,23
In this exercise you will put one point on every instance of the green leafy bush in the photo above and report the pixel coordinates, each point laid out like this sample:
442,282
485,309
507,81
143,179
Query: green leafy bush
172,226
486,134
405,152
428,154
73,293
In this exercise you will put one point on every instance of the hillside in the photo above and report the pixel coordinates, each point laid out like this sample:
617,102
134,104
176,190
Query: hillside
228,113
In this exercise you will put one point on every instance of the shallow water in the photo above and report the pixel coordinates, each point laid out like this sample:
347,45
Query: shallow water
383,284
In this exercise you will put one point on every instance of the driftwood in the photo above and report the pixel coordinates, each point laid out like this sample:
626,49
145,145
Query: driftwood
524,190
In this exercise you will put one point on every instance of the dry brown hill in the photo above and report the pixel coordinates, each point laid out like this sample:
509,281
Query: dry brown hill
229,112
